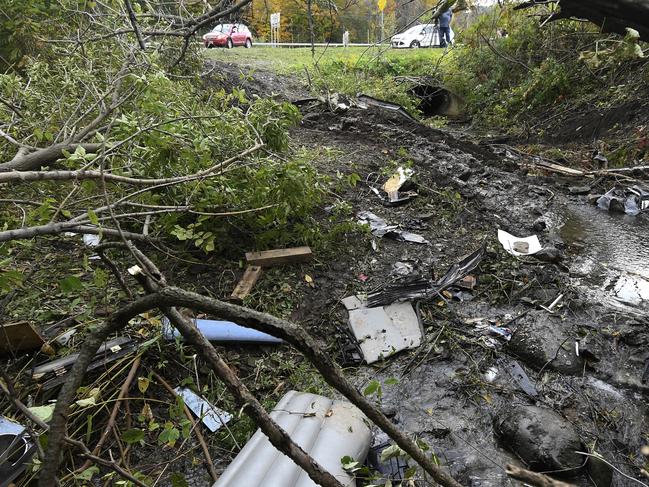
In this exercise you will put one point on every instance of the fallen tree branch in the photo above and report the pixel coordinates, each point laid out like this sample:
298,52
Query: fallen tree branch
72,227
80,175
533,478
41,157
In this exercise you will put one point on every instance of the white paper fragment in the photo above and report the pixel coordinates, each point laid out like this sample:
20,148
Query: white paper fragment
211,416
91,240
511,243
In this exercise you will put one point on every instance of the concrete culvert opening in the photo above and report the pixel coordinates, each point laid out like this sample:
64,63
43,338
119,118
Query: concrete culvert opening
437,100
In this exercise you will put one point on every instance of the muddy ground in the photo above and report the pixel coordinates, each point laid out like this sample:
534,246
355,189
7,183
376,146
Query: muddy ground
585,359
583,386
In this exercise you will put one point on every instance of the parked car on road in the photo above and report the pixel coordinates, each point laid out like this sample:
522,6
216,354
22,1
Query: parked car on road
228,35
422,35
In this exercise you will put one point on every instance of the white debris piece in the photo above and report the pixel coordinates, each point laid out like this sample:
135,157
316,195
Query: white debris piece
212,417
519,246
383,331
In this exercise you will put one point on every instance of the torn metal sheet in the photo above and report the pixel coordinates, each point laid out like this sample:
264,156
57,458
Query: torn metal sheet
211,416
54,373
519,246
16,450
222,331
631,201
424,288
394,184
380,228
520,378
383,331
385,105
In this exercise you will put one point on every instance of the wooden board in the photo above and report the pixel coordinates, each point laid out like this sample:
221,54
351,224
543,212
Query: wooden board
269,258
15,337
247,282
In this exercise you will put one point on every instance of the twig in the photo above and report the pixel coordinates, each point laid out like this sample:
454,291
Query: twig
601,459
113,415
199,435
84,449
534,478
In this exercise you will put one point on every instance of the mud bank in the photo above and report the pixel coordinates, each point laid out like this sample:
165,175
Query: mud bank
585,360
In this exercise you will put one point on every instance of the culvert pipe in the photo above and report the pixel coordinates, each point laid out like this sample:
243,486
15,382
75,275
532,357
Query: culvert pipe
437,100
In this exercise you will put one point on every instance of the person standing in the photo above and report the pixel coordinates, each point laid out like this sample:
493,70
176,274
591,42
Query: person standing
445,28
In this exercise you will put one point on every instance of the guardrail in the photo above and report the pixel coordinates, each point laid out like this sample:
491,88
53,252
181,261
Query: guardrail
308,44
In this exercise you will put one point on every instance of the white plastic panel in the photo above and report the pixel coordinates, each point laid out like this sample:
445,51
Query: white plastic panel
328,430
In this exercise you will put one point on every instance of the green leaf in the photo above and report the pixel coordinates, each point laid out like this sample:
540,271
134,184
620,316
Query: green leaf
44,413
178,480
134,435
392,451
390,381
70,284
92,216
372,388
169,435
87,474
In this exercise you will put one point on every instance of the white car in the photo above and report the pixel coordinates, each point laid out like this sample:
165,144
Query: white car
422,35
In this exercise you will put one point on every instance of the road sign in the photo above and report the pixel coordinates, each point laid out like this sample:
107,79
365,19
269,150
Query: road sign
382,4
274,20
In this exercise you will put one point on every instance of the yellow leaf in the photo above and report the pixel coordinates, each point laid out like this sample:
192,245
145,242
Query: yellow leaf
143,384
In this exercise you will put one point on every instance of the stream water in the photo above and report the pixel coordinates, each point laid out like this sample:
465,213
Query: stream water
610,255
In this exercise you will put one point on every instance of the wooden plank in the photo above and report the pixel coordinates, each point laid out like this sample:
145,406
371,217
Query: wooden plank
269,258
15,337
247,282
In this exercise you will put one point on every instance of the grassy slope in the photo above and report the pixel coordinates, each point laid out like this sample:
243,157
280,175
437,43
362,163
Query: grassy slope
285,61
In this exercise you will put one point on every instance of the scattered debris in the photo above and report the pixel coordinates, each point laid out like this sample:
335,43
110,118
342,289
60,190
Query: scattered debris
550,308
390,467
383,331
247,282
54,372
268,258
631,201
91,240
424,288
402,269
467,282
19,336
520,378
222,331
519,246
211,416
380,228
16,450
365,101
326,429
394,185
506,333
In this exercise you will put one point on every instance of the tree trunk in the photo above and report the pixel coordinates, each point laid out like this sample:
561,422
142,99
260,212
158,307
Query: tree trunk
610,15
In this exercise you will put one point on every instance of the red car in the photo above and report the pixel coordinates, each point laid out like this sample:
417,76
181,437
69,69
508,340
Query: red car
228,35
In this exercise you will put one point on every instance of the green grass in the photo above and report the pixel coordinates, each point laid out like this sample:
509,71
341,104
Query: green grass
293,60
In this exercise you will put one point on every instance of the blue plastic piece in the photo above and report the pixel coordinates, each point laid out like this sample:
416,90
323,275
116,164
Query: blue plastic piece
224,331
